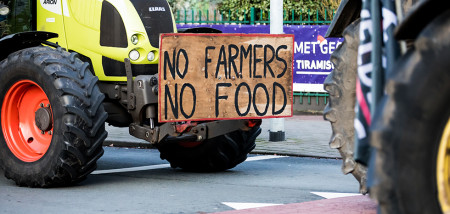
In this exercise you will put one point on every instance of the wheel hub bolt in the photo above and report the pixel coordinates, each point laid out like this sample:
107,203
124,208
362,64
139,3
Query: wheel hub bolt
43,119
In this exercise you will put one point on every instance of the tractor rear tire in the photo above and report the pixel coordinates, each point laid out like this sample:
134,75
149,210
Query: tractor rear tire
340,111
212,155
57,138
409,123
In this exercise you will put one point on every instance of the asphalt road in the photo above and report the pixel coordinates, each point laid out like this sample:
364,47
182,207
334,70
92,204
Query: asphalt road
142,183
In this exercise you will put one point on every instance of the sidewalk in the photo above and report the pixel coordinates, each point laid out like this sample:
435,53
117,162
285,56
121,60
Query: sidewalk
305,136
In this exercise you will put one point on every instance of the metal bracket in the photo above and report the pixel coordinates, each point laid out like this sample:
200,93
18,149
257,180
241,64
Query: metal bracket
221,127
199,132
130,89
145,133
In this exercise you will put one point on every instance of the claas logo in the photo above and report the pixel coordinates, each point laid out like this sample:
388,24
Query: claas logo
50,1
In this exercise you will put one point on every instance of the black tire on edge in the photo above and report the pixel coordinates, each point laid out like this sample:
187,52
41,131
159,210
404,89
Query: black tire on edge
409,123
78,114
340,111
216,154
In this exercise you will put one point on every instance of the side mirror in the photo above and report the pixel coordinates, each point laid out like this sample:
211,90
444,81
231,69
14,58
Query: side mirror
4,10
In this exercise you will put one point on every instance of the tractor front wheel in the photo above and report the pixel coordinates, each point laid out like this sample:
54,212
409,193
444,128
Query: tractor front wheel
216,154
411,128
52,118
340,111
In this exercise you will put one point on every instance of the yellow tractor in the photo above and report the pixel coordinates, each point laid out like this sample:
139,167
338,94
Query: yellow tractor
67,66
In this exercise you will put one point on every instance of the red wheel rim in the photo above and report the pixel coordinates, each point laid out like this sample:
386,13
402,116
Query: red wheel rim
25,140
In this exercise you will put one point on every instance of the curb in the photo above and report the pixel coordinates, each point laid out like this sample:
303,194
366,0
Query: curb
265,152
256,151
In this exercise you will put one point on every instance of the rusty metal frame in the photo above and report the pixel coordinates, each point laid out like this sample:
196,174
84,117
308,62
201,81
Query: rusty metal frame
140,97
200,132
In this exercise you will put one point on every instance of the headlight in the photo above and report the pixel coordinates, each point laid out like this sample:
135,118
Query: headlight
134,39
134,55
4,10
151,56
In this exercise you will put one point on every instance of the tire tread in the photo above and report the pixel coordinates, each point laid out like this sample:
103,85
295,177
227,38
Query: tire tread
340,84
83,130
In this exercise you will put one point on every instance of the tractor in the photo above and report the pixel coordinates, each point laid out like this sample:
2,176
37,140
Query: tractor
405,166
69,66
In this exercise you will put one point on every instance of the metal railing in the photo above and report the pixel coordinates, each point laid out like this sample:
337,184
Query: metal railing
252,17
312,94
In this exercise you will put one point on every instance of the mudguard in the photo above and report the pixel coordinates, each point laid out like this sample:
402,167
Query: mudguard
347,12
19,41
198,30
419,16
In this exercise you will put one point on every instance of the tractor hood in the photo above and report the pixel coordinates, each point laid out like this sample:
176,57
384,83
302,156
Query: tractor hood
156,17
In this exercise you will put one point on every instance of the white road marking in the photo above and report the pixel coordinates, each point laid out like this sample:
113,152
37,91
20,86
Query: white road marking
241,206
264,157
329,195
131,169
162,166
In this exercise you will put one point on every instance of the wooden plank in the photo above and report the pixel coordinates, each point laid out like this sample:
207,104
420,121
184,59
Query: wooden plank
225,76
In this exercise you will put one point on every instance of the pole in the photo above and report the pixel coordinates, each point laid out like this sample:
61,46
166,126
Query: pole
276,17
276,27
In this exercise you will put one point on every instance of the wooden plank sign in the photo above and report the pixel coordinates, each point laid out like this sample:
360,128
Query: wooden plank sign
225,76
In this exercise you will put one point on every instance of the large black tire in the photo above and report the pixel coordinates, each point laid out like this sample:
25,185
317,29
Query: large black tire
409,122
77,112
216,154
340,111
